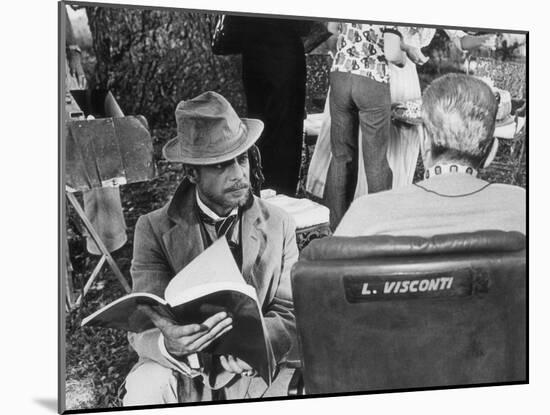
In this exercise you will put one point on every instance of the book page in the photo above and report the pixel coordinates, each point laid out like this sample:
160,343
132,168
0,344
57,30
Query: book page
123,313
212,283
247,339
214,266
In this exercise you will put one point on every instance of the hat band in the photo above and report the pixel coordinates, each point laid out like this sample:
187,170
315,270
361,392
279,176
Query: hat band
199,152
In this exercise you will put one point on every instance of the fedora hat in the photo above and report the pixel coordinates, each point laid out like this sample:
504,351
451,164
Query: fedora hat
210,131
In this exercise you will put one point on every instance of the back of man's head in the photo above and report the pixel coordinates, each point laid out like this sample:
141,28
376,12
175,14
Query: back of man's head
459,114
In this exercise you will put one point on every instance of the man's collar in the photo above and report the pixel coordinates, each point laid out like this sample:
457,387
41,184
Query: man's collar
209,212
182,206
441,169
453,185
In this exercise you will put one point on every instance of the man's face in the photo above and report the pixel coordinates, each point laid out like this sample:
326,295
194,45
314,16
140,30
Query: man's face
224,186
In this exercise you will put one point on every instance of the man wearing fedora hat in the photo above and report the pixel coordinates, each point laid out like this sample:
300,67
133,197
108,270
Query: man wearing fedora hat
214,200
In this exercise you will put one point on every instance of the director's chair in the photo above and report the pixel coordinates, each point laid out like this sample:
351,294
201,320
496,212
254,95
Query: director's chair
383,312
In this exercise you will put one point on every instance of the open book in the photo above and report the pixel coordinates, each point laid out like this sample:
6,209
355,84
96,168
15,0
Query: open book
209,284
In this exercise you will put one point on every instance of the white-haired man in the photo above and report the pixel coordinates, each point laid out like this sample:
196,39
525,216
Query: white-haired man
458,113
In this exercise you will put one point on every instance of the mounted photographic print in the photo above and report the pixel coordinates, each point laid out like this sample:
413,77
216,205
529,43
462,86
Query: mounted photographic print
271,207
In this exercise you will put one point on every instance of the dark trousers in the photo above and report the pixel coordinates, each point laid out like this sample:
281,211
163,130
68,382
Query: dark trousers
356,101
274,78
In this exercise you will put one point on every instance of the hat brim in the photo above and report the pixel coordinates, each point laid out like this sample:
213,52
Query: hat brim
172,150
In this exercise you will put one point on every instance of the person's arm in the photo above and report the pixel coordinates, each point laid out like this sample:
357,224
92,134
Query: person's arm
73,54
150,273
332,27
392,48
332,41
414,53
470,42
465,41
169,344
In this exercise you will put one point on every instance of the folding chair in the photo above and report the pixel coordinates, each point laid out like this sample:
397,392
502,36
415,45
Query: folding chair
106,151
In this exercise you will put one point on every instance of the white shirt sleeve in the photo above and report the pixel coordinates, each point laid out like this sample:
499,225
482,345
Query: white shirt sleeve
179,364
220,381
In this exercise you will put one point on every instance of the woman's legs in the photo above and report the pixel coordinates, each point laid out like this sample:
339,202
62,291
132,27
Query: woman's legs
342,172
373,100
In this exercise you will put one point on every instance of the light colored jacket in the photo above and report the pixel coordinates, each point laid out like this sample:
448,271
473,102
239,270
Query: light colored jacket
443,204
167,239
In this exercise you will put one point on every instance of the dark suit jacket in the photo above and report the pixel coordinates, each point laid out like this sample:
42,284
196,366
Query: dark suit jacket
167,239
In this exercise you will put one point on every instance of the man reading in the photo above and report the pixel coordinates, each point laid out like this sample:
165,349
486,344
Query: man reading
213,201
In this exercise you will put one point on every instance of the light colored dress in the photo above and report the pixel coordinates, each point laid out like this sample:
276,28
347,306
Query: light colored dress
404,144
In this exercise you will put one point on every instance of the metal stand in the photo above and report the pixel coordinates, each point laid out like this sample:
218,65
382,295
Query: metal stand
106,257
70,301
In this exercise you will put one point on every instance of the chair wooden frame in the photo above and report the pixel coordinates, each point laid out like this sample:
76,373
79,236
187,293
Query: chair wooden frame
106,257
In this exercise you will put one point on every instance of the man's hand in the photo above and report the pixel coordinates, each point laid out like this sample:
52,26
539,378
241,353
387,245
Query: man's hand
236,365
414,54
191,338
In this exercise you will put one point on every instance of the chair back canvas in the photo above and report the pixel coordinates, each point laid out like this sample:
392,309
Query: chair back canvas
109,149
415,313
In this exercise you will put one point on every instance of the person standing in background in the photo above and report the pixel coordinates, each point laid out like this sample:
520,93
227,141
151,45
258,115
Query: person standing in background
274,78
359,97
404,143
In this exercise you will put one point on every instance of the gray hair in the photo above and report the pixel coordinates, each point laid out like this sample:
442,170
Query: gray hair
459,113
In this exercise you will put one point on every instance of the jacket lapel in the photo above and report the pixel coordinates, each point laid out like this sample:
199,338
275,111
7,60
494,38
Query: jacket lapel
254,240
183,241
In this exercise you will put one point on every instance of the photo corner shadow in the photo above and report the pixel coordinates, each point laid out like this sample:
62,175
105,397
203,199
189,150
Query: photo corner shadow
48,403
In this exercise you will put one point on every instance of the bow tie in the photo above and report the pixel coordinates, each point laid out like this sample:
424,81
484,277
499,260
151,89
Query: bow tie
222,226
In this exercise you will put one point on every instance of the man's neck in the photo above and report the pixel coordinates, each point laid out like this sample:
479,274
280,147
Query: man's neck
444,167
213,212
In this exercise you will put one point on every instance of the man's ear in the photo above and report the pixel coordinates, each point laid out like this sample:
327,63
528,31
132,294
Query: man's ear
492,154
192,174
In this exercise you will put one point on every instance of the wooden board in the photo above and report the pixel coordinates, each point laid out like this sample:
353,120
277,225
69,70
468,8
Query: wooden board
108,152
